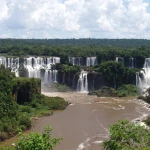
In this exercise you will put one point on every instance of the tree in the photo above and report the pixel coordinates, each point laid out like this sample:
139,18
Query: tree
36,141
113,72
128,136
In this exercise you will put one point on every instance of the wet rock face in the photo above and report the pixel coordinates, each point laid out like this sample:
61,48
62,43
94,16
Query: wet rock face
145,95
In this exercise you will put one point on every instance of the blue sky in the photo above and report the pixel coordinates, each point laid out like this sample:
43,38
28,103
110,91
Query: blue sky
75,19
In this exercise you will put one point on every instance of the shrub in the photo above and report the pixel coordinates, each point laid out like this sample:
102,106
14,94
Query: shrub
25,121
36,141
127,90
55,103
3,136
127,136
104,91
62,88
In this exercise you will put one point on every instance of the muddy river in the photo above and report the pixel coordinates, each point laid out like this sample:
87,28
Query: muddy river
83,125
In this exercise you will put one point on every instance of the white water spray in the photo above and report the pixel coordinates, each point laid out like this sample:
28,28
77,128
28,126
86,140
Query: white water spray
91,61
82,85
143,78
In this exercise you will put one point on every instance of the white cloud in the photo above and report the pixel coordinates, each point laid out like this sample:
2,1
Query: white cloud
75,18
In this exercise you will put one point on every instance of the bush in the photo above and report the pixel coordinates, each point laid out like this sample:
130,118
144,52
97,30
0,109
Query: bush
25,109
36,141
62,88
25,121
3,136
104,92
127,90
122,91
55,103
128,136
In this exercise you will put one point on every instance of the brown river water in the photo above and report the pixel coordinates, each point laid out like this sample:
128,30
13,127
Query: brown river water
83,125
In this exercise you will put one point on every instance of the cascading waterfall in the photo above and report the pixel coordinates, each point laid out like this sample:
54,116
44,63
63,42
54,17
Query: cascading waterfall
143,78
55,75
82,85
76,60
34,66
131,62
3,61
120,59
91,61
12,63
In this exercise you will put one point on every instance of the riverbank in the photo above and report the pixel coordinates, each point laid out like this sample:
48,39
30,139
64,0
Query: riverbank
82,98
87,118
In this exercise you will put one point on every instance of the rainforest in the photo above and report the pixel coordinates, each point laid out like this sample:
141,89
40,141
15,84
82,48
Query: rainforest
97,67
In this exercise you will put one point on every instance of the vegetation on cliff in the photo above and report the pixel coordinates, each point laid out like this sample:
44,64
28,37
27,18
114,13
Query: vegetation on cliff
116,73
20,99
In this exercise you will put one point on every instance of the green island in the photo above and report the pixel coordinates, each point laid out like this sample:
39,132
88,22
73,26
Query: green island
21,100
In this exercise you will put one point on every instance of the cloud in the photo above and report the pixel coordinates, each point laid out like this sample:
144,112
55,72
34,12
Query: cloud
75,18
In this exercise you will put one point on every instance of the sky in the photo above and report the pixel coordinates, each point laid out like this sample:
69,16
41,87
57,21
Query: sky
41,19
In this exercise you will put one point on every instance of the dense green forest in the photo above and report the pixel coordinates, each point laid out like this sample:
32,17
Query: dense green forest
104,49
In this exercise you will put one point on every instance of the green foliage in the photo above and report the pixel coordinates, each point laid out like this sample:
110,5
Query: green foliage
113,72
62,88
8,148
127,136
127,90
67,68
123,91
36,141
104,92
104,49
26,91
55,103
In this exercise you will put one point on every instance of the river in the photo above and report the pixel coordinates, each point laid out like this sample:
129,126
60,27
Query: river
83,125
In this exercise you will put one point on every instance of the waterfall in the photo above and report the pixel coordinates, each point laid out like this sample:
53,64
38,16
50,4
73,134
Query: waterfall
55,75
46,80
131,62
91,61
34,65
82,85
12,63
138,79
143,78
76,60
120,59
3,61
